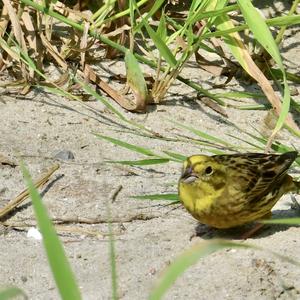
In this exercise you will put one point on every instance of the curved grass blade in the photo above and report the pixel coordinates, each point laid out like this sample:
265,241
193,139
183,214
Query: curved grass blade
136,81
57,259
11,293
192,255
185,260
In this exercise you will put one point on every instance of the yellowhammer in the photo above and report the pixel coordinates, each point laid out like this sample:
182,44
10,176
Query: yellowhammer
225,191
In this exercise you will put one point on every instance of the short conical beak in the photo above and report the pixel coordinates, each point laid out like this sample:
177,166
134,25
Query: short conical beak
188,175
186,172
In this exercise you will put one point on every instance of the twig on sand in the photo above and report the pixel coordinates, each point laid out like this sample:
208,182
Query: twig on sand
25,193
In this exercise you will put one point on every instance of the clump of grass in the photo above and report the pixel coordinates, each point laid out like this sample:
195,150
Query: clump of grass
205,26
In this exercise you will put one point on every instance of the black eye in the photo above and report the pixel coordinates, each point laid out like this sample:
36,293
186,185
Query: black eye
208,170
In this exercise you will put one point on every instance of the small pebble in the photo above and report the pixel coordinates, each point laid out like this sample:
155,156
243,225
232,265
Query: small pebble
64,155
34,233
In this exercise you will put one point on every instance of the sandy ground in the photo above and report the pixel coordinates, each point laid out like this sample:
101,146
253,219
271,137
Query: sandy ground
148,235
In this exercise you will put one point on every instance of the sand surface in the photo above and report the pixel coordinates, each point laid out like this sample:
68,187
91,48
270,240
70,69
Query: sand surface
149,235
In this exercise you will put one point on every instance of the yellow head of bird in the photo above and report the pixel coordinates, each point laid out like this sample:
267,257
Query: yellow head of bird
201,168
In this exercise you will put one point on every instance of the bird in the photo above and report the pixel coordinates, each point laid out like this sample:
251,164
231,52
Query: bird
230,190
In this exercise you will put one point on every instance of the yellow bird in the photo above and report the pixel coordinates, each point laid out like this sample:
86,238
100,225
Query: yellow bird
225,191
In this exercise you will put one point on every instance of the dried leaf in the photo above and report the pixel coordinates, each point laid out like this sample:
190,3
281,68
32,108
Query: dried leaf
17,30
18,33
52,50
14,55
83,43
26,89
118,31
4,21
214,106
33,41
32,37
115,95
72,14
209,66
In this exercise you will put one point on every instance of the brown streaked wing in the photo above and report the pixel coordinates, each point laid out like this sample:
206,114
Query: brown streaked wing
256,173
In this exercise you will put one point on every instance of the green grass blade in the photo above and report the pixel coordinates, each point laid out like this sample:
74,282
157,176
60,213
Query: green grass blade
262,140
169,197
266,106
161,46
290,76
157,4
285,221
57,91
57,259
120,14
11,293
285,106
162,26
214,151
90,91
202,134
260,29
112,257
142,162
261,148
177,156
239,95
284,21
276,146
132,6
138,149
278,21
